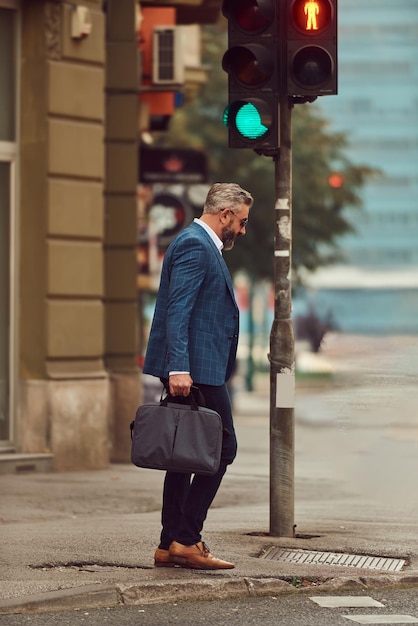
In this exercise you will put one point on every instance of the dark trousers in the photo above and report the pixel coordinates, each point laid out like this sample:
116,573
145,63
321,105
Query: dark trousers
187,497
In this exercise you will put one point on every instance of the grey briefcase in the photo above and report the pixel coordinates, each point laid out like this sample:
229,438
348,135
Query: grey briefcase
184,438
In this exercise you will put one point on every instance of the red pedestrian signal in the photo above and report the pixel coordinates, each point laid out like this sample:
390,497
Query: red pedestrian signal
252,64
311,47
311,15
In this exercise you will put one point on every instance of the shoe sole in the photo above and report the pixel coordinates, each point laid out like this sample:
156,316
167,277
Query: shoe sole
183,562
164,564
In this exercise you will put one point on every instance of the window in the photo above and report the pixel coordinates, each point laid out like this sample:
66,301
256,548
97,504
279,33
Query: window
7,76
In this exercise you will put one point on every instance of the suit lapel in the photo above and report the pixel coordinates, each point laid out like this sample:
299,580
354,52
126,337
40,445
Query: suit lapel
218,257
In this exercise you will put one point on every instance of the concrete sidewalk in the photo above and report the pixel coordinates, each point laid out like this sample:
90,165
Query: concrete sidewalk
59,559
85,539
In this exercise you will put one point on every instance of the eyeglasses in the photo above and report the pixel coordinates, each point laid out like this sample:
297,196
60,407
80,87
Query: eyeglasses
242,223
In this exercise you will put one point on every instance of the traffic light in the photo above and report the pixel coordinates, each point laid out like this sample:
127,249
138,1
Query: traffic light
252,64
311,35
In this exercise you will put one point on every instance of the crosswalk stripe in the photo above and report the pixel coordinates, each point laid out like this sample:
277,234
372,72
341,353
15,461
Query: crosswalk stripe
339,602
382,619
345,601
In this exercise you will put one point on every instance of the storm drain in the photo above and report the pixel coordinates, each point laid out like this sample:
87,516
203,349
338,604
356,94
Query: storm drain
333,558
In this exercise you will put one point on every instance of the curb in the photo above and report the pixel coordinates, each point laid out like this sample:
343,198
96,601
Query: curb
100,596
87,596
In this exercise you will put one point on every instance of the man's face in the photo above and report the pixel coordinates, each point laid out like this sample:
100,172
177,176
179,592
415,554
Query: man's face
235,227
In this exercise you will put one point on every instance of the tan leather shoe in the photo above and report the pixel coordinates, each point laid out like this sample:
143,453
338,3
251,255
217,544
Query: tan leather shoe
162,558
196,557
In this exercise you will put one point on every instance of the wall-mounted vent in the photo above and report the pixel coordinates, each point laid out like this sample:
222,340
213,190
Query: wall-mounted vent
167,61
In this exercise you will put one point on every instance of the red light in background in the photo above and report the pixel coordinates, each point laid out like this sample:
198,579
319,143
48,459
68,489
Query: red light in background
336,180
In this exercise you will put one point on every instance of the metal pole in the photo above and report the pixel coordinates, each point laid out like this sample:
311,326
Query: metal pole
282,361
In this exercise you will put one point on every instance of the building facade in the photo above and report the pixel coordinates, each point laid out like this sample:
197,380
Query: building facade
69,135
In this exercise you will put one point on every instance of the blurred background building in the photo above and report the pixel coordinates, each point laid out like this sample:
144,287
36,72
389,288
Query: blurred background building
375,289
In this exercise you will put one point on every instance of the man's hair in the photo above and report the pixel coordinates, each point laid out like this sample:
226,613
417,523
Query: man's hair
226,196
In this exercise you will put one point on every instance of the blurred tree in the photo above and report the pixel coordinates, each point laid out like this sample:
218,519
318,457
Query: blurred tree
318,154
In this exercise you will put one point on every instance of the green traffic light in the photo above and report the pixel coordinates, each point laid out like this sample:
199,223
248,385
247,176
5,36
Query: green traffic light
226,116
247,120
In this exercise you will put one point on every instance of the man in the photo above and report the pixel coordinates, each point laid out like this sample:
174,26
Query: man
193,340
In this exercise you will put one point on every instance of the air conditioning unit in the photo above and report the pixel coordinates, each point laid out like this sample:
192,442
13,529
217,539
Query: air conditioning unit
167,58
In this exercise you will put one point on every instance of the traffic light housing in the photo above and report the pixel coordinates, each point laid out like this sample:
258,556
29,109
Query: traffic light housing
252,64
311,36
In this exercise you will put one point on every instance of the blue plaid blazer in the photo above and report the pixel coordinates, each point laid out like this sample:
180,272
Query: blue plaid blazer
196,318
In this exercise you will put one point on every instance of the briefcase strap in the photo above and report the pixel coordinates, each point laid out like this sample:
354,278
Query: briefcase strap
194,399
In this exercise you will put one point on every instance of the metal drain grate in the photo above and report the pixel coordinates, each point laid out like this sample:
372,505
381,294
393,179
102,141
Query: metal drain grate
333,558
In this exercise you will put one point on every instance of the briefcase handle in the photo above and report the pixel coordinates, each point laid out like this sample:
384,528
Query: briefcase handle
190,399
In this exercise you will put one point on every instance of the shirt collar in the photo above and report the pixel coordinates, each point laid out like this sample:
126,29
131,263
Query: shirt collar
211,233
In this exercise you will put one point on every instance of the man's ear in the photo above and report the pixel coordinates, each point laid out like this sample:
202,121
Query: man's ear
223,216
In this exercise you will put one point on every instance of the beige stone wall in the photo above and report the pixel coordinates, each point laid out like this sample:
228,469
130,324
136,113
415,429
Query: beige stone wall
76,157
122,80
